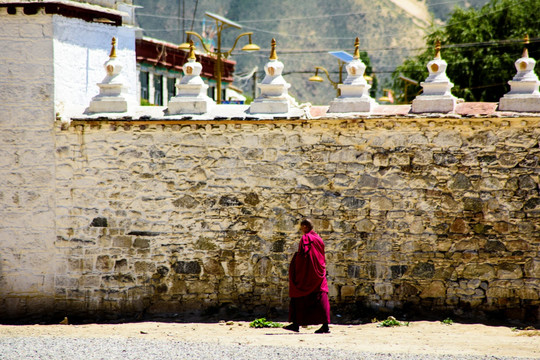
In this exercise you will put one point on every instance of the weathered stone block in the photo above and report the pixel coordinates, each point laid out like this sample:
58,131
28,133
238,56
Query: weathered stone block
121,265
509,271
533,204
380,159
398,271
143,267
460,182
347,291
406,290
122,241
384,290
381,203
213,267
400,159
423,270
508,160
499,292
187,267
141,243
490,184
473,204
494,246
365,225
447,139
479,271
529,292
354,271
90,281
104,263
532,268
436,289
459,226
422,157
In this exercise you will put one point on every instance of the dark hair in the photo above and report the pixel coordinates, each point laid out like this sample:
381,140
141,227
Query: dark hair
308,223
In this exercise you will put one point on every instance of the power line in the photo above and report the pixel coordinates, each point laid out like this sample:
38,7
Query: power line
296,18
487,43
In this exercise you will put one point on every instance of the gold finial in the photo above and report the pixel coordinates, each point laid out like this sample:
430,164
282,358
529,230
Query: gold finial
437,49
112,55
357,48
273,54
525,42
191,50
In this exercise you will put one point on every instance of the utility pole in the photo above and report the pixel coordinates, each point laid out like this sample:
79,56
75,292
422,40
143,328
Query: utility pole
180,30
254,85
183,20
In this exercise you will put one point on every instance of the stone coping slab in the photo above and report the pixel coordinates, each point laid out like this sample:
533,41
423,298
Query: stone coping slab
304,112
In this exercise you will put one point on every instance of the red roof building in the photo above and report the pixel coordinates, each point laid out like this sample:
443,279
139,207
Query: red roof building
159,66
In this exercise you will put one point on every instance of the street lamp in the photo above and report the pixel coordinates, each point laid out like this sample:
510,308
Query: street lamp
318,78
221,24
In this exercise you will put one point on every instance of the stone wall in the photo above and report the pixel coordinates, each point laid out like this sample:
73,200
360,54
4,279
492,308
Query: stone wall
437,214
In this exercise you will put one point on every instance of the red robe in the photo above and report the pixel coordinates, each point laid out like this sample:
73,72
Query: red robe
307,272
308,287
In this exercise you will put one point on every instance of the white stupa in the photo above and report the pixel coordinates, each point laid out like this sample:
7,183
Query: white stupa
274,97
354,92
523,95
110,97
436,97
192,97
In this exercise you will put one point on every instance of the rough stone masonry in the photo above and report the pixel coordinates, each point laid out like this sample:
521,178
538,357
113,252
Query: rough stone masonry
429,214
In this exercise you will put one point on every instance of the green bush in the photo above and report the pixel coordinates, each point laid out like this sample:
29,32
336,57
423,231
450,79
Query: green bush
263,323
447,321
391,321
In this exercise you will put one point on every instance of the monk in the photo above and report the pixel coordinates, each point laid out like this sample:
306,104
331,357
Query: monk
308,288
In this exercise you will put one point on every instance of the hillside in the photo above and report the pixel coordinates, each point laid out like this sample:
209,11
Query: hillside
305,30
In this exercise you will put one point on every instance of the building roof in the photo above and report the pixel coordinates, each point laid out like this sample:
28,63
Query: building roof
72,9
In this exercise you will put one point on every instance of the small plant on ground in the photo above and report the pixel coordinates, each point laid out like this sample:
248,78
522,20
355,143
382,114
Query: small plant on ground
263,323
447,321
391,321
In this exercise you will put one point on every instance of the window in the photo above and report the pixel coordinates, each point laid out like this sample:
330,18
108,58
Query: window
144,85
158,89
211,92
171,88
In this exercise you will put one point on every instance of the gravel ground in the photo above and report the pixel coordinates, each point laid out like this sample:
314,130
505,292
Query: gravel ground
58,348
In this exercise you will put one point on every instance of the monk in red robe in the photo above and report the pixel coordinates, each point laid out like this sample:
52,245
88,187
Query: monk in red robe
308,288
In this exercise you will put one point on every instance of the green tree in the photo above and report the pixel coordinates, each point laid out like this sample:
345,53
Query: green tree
480,47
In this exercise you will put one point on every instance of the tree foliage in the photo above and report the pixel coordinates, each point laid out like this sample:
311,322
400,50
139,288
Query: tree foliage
480,47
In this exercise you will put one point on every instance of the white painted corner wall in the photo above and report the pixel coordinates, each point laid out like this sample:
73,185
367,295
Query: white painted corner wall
80,50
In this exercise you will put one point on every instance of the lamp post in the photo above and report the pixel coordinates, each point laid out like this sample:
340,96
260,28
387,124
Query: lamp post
318,78
221,24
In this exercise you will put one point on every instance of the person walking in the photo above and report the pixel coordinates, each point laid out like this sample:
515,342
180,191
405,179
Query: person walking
308,287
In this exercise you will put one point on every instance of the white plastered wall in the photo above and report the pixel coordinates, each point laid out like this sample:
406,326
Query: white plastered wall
27,164
80,50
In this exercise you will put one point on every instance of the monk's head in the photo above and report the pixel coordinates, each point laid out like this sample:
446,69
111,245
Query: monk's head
306,225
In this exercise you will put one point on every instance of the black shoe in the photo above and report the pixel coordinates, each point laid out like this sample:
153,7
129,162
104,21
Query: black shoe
292,327
323,330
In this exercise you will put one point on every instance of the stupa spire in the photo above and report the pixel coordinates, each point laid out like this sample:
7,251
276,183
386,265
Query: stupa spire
357,48
112,55
191,50
525,43
438,49
273,54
